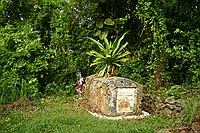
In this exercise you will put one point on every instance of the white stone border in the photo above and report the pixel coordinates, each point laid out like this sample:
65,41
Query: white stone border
144,114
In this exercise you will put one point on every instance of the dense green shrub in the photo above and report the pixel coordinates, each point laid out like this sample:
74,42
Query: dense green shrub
133,69
41,50
21,62
43,45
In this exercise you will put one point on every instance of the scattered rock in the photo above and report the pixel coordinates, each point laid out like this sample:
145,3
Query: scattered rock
149,103
170,100
167,111
196,127
181,130
164,131
155,104
186,131
171,107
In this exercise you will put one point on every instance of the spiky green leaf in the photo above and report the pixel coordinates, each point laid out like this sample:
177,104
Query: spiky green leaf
102,71
108,69
118,43
122,47
102,48
123,55
97,61
111,55
95,54
106,41
117,64
123,60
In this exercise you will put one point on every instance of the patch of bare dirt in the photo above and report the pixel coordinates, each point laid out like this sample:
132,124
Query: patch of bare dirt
88,106
19,104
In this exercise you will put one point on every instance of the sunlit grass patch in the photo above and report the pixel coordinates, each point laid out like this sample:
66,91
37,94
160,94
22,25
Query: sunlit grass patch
57,115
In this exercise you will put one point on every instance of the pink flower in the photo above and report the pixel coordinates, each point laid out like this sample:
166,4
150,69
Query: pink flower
80,85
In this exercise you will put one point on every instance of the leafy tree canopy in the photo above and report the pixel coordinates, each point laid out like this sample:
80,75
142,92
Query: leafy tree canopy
43,45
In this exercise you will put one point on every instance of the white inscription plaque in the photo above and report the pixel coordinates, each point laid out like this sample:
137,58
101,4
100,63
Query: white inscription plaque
126,100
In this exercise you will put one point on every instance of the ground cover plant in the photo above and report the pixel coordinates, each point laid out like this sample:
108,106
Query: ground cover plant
66,114
57,114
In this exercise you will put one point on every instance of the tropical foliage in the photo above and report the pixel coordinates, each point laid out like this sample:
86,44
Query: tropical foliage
43,45
111,55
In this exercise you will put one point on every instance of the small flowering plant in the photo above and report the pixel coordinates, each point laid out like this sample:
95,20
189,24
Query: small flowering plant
79,86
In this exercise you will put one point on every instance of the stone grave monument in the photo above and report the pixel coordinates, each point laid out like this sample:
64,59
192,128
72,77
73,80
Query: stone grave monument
114,96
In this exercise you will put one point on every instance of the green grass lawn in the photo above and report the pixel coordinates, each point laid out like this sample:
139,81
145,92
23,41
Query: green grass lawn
61,115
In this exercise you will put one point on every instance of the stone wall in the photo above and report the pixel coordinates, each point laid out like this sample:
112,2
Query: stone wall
114,95
156,105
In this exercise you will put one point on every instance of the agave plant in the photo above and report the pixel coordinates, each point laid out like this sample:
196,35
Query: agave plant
111,55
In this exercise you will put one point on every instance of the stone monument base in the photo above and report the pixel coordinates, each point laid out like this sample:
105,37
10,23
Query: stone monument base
114,97
143,114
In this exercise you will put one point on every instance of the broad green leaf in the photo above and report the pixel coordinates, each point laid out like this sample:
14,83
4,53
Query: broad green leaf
103,35
99,24
109,21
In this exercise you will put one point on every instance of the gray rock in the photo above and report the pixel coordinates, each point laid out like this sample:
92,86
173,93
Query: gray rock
196,127
171,107
170,100
163,131
178,104
167,111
